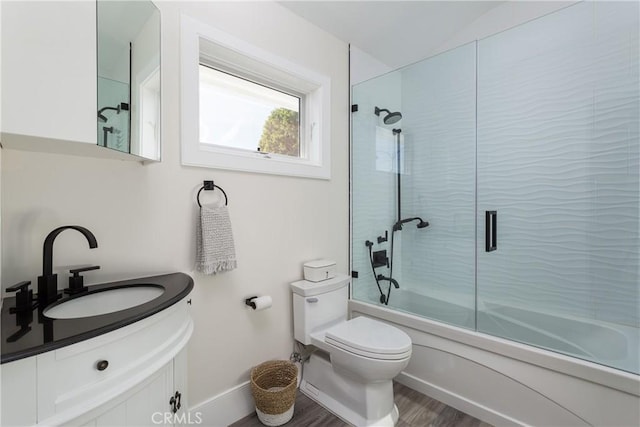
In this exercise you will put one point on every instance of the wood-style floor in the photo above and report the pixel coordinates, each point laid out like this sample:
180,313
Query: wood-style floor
416,410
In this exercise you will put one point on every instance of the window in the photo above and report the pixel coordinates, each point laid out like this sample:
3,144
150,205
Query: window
241,114
246,109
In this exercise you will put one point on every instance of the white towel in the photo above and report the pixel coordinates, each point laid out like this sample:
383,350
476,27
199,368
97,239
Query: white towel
215,251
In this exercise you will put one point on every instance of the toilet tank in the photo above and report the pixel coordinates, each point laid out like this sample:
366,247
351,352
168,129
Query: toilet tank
318,305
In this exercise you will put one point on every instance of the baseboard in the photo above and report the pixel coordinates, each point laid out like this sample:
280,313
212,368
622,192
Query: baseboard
455,400
226,407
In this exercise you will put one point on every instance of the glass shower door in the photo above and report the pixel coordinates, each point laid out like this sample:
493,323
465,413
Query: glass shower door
416,170
558,183
373,182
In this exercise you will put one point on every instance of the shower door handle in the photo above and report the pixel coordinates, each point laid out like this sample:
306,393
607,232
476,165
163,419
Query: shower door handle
491,230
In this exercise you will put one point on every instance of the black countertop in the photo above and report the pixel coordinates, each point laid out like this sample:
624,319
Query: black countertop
32,333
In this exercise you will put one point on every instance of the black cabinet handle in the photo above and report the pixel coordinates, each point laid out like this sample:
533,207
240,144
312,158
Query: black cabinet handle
175,402
102,365
491,230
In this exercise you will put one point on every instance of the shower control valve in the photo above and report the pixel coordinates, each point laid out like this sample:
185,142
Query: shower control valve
380,259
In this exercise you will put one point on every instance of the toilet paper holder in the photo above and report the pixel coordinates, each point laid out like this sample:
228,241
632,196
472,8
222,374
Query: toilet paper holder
259,303
250,303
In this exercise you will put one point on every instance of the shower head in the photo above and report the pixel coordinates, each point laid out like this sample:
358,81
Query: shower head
102,118
423,224
390,118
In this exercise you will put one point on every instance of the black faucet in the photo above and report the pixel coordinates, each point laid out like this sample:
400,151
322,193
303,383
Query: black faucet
48,282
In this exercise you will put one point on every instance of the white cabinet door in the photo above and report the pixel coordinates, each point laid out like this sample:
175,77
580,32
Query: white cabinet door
146,405
182,417
49,86
151,404
18,396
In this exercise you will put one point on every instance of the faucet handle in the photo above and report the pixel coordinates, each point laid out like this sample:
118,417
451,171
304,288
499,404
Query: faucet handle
24,297
21,287
76,271
76,283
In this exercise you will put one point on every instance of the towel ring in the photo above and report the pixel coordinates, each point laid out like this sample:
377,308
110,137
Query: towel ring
209,185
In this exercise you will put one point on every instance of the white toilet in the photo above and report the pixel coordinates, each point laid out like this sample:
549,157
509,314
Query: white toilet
351,373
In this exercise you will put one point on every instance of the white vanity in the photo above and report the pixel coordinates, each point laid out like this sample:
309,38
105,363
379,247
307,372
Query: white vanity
126,368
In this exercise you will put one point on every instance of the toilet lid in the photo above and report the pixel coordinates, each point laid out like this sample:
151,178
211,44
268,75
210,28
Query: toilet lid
370,338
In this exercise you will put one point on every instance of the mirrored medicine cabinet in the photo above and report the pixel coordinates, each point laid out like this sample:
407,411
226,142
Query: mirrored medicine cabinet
128,108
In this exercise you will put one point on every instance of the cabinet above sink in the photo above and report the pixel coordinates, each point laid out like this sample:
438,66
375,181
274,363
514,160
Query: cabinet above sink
50,79
129,77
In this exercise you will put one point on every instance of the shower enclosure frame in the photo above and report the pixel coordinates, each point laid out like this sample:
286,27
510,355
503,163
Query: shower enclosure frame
530,385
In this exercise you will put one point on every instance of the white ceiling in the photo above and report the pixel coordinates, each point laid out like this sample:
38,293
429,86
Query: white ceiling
395,32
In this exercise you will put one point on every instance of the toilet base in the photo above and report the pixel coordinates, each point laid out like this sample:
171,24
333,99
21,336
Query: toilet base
356,403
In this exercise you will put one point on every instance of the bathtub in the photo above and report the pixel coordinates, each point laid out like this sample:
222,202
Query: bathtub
504,382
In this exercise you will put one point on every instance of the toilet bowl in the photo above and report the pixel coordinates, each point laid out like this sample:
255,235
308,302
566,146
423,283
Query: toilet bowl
351,372
369,349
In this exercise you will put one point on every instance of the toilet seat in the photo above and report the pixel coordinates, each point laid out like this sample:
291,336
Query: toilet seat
370,338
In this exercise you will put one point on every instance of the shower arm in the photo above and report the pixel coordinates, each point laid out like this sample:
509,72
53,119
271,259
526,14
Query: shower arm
398,225
123,106
108,108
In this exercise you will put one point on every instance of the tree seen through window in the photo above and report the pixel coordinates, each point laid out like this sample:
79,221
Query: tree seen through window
281,133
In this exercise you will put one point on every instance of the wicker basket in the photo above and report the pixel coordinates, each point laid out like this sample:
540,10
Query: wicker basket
273,385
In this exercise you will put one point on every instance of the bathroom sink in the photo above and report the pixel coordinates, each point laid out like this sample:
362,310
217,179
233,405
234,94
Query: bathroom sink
104,302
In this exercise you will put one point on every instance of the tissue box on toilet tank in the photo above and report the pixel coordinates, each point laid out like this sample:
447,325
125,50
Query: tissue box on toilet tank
319,270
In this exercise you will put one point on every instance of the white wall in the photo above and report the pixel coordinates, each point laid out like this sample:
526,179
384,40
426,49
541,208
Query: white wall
1,282
364,66
143,216
1,252
500,18
507,15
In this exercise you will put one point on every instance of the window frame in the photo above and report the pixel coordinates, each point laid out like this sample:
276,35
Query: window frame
202,44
